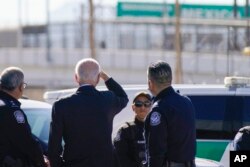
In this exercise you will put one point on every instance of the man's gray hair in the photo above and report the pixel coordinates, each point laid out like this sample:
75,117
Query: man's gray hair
11,78
87,70
160,73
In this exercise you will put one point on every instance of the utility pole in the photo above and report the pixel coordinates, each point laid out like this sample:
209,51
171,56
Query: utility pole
91,30
81,24
247,16
235,28
164,17
20,30
178,64
48,46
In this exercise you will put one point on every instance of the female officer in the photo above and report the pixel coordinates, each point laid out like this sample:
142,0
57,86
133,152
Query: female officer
129,141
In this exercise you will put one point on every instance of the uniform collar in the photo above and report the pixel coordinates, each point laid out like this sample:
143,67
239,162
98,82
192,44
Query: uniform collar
138,122
9,98
164,92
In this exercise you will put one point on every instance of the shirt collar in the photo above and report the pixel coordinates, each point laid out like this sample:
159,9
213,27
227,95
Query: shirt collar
11,99
164,93
138,122
85,85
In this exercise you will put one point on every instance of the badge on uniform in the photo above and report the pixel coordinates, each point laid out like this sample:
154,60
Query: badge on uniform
155,119
19,117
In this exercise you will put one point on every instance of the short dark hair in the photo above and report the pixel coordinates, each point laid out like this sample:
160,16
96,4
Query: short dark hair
160,73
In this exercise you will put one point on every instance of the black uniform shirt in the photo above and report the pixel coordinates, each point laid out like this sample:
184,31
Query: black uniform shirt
130,144
16,138
170,129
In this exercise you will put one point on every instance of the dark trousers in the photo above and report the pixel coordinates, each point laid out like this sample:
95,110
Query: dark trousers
10,162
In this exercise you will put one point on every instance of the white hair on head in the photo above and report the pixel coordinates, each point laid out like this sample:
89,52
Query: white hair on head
87,70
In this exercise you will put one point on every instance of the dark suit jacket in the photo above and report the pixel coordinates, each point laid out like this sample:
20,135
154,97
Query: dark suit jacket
84,121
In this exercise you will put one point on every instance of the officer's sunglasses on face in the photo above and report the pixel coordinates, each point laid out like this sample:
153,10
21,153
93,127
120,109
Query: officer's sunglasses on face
141,103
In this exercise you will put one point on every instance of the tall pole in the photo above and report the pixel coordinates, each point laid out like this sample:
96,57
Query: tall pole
81,25
48,45
164,16
178,65
228,49
91,30
235,8
247,17
20,30
235,28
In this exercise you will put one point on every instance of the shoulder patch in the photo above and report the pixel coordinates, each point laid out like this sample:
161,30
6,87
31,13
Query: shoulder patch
19,117
155,118
2,103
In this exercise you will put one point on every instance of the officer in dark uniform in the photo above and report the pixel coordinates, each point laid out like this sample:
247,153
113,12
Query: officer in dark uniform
85,120
129,141
170,126
241,140
17,146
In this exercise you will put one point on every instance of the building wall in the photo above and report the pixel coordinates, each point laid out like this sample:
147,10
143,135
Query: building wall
8,38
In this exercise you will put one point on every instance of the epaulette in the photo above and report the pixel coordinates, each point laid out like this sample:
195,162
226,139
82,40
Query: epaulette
2,103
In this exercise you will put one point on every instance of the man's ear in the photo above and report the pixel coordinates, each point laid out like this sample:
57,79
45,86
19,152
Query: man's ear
98,79
149,83
20,88
76,79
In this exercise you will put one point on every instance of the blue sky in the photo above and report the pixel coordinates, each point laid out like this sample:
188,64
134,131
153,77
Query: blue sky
34,11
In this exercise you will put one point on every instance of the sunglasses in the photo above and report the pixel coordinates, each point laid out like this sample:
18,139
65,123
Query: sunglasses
140,104
24,85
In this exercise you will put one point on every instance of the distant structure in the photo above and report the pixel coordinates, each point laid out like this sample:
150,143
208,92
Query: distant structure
142,25
131,35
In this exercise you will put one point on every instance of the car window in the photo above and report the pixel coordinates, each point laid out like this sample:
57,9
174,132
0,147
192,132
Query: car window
220,117
39,120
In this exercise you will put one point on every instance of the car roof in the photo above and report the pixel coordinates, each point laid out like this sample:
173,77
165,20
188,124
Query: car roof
185,89
28,104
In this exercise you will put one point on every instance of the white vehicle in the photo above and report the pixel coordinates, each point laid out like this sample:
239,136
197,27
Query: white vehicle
221,110
39,117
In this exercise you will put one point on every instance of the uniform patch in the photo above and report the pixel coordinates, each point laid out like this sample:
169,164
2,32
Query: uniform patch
2,103
155,119
19,117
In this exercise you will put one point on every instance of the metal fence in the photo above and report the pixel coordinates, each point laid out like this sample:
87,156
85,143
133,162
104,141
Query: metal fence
211,49
209,36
